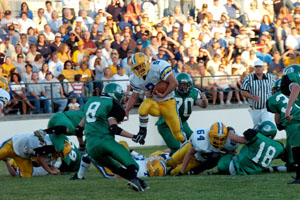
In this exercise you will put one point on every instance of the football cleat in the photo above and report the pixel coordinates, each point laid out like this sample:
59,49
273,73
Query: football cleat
40,134
135,185
75,177
144,185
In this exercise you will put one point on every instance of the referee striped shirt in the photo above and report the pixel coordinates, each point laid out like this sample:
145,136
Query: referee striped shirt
261,88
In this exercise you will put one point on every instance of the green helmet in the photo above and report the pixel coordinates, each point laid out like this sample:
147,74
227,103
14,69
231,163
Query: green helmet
114,90
184,83
268,129
292,68
276,86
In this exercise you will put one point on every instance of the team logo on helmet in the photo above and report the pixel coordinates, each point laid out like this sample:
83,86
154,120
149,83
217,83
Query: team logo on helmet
218,135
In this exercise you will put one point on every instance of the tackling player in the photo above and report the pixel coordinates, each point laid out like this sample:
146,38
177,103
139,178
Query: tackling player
145,76
186,96
205,148
258,152
4,99
23,147
101,117
278,104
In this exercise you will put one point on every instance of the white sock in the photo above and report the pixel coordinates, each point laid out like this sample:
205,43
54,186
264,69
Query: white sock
83,168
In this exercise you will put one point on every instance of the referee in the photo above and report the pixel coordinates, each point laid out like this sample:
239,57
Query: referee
257,87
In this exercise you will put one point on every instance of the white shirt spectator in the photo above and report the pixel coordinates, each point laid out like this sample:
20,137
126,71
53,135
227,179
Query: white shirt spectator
39,23
123,84
56,68
217,11
71,4
50,36
25,25
293,41
92,62
47,15
18,87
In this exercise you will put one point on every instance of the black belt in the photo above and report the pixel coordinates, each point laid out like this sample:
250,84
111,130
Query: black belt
252,108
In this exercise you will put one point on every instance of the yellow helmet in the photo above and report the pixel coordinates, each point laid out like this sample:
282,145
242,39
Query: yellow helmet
139,64
67,148
218,135
156,167
156,153
4,83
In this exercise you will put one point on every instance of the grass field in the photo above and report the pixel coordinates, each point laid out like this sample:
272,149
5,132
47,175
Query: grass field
265,186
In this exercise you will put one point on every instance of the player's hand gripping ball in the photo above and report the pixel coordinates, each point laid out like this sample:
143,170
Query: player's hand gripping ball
160,87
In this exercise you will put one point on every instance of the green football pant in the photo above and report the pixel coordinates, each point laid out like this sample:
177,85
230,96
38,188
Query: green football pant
168,137
223,164
293,139
60,119
109,153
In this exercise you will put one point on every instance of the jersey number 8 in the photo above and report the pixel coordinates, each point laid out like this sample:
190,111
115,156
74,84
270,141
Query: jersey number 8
91,112
270,153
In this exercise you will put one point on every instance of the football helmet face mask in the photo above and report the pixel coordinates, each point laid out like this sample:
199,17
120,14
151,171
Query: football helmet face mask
276,86
217,135
268,129
184,83
114,90
156,166
139,64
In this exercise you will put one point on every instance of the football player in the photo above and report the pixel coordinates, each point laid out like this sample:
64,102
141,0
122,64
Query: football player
145,76
68,160
258,152
186,96
278,103
25,146
101,117
4,99
205,148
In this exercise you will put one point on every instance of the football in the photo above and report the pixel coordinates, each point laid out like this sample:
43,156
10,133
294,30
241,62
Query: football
160,87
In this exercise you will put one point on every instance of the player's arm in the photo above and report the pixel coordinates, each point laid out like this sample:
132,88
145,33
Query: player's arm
42,152
171,86
202,101
236,138
295,89
10,169
187,159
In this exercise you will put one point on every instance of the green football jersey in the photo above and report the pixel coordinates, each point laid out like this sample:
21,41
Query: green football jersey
74,116
97,110
184,105
256,155
277,103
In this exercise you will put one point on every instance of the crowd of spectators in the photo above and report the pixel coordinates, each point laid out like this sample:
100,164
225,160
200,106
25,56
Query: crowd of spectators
88,43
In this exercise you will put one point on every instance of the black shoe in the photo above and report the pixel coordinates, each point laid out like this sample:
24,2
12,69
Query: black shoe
144,185
135,185
296,181
75,177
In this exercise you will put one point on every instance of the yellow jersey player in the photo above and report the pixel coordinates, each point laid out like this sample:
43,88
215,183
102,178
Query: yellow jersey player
4,99
145,76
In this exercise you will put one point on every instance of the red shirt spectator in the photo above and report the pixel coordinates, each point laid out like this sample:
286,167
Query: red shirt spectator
134,9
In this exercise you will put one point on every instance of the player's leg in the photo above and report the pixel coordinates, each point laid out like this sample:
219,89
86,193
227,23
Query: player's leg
293,139
169,112
168,137
187,130
255,115
6,150
296,156
192,164
267,116
25,166
224,164
149,106
178,156
60,120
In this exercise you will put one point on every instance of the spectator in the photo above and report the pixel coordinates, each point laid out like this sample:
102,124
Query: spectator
20,64
115,9
25,9
234,84
24,43
64,53
254,16
115,62
31,36
55,65
69,18
43,47
232,8
18,50
56,44
281,34
40,21
7,66
172,5
71,5
123,50
122,79
19,93
73,105
238,65
25,23
49,10
14,36
37,62
178,16
86,77
48,34
27,74
201,13
291,57
134,9
98,66
292,41
32,53
164,54
126,22
37,94
54,21
80,25
149,9
78,89
89,45
116,44
68,71
86,18
107,78
264,55
79,54
217,10
276,66
9,20
125,62
43,71
222,84
55,92
266,25
213,65
6,48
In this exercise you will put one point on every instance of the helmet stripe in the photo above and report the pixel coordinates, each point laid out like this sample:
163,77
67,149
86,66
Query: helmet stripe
133,59
218,128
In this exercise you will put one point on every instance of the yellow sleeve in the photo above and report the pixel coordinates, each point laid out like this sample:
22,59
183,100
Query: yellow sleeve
74,57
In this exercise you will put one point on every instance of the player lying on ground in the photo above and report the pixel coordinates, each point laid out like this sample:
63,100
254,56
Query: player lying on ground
101,117
68,160
22,148
155,165
145,77
278,103
258,152
205,148
186,97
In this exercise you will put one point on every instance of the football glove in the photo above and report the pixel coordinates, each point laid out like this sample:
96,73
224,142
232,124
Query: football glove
140,137
79,131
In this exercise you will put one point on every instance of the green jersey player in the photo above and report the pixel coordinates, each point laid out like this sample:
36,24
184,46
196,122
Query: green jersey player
186,97
257,153
278,103
101,117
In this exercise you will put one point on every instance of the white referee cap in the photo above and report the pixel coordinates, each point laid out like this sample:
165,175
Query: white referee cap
258,63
